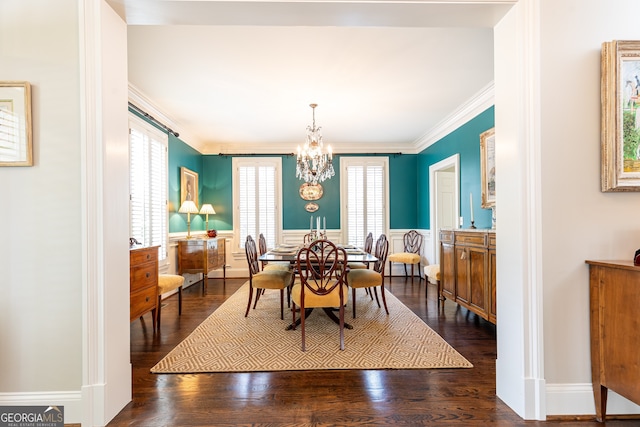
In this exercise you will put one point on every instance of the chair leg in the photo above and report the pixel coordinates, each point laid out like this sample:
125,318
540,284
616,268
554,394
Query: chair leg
259,292
281,304
180,301
302,316
376,294
384,299
341,326
250,297
353,298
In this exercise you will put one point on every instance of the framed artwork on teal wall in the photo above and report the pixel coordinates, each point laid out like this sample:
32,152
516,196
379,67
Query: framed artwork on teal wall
188,186
488,168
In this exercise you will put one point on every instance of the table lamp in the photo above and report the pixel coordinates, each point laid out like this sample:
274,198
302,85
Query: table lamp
189,208
207,209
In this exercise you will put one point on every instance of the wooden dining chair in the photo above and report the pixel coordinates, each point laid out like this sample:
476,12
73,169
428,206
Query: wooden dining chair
368,247
371,279
321,269
412,244
262,280
270,265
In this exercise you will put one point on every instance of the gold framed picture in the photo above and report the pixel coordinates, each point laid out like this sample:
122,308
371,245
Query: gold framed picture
620,122
188,186
16,146
488,168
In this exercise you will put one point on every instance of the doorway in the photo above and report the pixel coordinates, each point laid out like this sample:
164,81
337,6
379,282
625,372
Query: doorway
444,199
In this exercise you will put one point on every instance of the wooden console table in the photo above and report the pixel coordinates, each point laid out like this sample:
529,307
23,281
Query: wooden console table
614,291
143,282
468,270
201,255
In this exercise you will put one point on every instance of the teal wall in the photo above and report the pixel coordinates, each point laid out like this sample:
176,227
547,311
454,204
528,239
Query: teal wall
408,184
403,191
466,141
181,154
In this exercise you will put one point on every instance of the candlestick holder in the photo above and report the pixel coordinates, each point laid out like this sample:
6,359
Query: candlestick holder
473,225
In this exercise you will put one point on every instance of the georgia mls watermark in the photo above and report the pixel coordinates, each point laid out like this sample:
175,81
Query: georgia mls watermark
31,416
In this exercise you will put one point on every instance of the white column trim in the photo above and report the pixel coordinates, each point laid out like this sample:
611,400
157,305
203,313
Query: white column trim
93,364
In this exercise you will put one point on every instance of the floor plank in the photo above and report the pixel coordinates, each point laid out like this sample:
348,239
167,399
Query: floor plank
451,397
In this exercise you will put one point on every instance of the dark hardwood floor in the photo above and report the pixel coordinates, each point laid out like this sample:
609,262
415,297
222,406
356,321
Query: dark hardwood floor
456,397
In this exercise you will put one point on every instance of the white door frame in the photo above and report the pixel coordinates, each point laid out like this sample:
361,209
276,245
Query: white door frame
448,163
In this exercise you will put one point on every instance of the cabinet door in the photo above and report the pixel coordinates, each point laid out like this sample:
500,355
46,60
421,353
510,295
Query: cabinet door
212,255
462,274
478,292
447,271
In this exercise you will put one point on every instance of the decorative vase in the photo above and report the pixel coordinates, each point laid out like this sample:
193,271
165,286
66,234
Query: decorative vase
212,233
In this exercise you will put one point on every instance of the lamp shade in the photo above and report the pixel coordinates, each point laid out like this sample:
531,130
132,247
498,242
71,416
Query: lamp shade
188,207
207,209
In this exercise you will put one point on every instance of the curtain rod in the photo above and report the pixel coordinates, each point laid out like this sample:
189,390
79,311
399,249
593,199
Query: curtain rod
153,119
294,154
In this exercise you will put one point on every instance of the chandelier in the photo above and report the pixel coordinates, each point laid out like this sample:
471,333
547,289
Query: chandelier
314,165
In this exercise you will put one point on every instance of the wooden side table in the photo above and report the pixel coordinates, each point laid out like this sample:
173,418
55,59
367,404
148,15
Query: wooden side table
201,255
143,282
614,291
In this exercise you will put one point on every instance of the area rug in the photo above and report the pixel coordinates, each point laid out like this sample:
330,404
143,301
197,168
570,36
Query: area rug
229,342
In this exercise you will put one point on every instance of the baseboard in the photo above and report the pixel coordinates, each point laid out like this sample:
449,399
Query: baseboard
576,400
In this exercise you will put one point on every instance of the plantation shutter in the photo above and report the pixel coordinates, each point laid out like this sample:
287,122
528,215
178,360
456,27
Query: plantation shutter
366,195
148,186
257,196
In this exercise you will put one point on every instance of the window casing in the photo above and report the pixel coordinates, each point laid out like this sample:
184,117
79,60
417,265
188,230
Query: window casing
257,197
148,148
365,183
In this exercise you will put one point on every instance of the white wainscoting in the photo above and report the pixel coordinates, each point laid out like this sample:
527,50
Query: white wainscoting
237,261
396,244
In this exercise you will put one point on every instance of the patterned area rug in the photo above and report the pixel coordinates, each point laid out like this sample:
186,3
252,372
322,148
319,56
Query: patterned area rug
229,342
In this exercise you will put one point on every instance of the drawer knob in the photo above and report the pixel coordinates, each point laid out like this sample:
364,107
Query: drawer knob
146,299
147,275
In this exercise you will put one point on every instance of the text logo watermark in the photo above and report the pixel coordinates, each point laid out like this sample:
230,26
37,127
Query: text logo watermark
31,416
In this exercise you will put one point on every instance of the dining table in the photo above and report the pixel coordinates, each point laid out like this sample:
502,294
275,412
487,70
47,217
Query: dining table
289,252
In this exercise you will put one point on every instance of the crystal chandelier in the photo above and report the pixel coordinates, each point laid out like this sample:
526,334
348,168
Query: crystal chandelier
314,165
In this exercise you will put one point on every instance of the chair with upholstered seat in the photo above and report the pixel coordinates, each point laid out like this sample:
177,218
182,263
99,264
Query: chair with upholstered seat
321,269
368,247
371,279
168,283
271,265
412,244
432,275
262,280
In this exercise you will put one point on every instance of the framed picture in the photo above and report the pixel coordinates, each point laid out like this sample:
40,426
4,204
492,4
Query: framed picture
188,186
488,168
620,122
16,146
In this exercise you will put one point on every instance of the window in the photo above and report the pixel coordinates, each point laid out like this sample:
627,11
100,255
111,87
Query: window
148,184
365,183
256,195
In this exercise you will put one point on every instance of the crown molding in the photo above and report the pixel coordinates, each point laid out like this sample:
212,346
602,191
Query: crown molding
477,104
139,99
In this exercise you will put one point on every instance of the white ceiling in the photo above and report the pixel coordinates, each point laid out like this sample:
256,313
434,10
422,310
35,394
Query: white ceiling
238,77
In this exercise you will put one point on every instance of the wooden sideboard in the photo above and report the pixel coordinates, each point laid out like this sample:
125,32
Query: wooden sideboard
143,282
201,255
468,270
614,291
